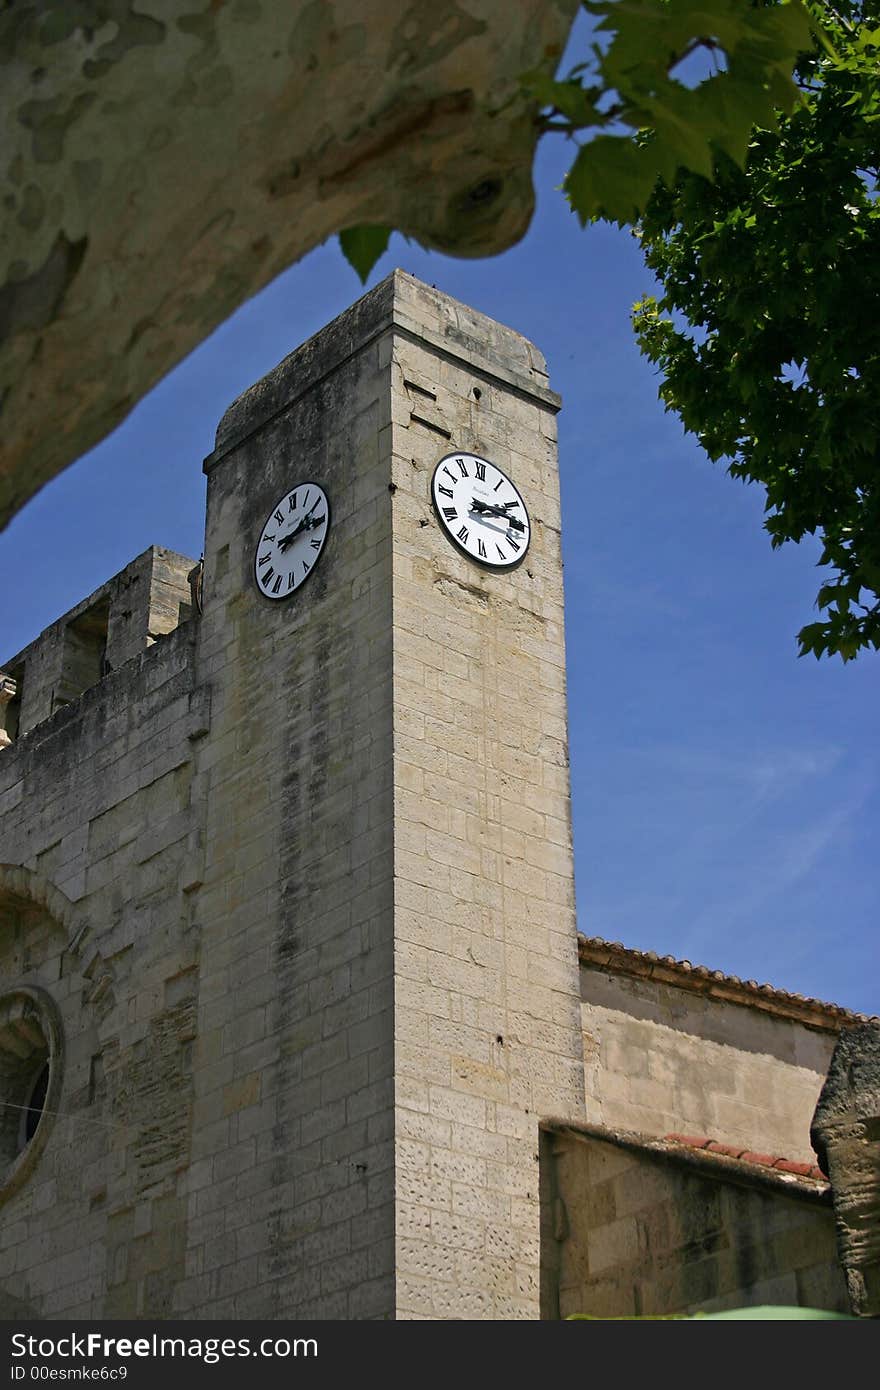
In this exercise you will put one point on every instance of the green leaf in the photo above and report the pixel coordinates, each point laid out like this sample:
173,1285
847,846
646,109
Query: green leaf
671,125
362,247
572,100
613,178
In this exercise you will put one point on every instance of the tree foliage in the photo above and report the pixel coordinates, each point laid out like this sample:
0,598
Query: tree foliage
767,330
645,121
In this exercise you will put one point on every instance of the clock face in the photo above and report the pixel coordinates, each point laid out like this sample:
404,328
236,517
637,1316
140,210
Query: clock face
481,510
292,540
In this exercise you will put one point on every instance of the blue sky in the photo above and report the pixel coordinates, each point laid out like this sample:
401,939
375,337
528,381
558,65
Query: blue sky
725,792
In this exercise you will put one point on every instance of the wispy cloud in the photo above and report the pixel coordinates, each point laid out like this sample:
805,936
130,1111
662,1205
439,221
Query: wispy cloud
791,856
727,843
768,773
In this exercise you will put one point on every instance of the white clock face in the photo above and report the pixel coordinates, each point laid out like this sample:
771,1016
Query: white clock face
481,510
292,540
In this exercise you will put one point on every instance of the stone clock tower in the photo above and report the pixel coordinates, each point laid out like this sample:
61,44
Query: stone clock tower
288,963
389,963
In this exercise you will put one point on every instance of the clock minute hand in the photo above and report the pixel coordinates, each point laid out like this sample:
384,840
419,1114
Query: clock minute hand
492,509
291,536
305,524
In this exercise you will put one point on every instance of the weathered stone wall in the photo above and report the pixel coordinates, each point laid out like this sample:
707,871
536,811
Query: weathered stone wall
638,1233
486,1011
148,599
164,161
98,821
846,1134
385,1011
660,1058
291,1187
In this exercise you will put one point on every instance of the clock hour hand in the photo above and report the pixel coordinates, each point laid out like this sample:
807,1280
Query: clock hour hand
305,524
493,509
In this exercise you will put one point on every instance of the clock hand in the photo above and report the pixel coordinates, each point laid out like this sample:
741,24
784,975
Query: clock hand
492,509
291,536
306,523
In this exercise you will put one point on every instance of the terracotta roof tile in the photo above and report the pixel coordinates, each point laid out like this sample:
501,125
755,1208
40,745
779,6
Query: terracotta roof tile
782,1165
729,1150
724,1162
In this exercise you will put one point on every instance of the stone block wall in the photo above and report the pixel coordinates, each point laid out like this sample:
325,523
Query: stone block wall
662,1057
371,862
486,1008
638,1233
99,816
291,1191
146,600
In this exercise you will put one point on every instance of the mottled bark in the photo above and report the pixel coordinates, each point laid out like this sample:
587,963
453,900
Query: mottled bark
166,160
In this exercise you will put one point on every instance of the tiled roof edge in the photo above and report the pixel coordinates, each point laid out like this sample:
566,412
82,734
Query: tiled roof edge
708,1158
614,956
746,1155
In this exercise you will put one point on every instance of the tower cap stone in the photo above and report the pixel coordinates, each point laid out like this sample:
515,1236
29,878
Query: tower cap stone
416,311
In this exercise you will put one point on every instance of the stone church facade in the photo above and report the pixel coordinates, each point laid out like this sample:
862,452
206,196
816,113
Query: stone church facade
294,1018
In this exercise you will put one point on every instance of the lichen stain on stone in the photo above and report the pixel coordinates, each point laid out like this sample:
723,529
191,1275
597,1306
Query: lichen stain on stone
49,122
151,1092
33,301
421,39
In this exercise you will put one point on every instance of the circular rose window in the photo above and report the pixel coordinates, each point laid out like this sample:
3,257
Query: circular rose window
30,1081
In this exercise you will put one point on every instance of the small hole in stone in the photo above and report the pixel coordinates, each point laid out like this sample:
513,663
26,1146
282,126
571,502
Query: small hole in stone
500,1040
423,522
477,393
529,573
392,488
